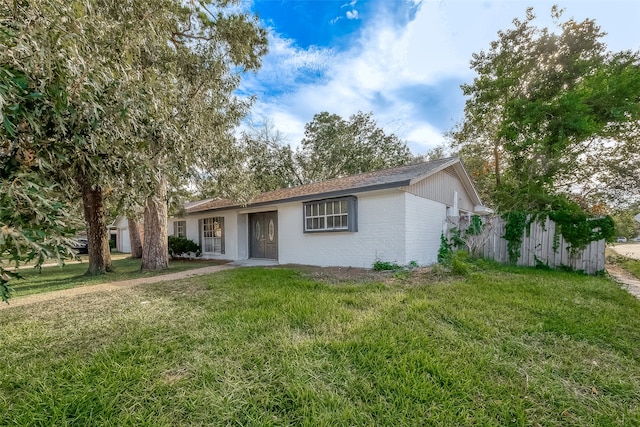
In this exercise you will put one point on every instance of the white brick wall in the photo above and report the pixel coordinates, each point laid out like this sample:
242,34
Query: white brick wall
392,226
425,219
380,235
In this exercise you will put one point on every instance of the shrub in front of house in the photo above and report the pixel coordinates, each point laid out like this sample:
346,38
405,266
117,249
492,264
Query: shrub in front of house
181,247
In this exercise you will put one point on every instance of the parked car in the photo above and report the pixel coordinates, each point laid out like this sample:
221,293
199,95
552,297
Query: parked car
82,246
622,240
636,239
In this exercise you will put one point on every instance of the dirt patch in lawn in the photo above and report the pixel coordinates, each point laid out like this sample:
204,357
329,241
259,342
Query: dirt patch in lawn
358,275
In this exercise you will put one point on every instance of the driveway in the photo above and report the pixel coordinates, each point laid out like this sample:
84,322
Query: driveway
630,250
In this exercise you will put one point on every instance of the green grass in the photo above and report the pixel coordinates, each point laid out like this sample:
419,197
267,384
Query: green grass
260,347
54,278
631,265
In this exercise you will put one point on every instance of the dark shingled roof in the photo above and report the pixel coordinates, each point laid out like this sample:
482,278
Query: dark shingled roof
386,178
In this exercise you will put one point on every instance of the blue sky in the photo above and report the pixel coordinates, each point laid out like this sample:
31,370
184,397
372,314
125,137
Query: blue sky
403,60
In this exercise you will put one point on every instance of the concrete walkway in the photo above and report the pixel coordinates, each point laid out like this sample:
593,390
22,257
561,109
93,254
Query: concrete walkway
88,289
626,279
83,259
629,250
82,290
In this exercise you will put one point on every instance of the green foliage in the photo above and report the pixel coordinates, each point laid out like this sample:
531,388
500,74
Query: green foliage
540,99
541,265
34,224
270,161
460,264
625,222
476,226
456,261
579,229
116,97
334,147
576,227
273,347
178,246
516,222
386,266
457,238
445,251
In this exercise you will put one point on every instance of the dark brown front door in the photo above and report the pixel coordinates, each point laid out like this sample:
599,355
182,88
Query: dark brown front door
263,235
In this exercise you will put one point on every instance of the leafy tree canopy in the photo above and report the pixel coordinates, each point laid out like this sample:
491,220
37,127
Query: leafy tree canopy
106,96
333,147
544,104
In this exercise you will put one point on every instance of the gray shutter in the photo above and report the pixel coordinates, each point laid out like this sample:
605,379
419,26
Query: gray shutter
200,235
353,213
222,235
175,228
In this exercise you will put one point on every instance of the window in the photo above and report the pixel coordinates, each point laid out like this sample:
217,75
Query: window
213,235
331,215
180,228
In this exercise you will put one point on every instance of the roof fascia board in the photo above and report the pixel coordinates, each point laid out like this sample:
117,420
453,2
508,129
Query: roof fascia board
468,183
199,202
434,170
325,195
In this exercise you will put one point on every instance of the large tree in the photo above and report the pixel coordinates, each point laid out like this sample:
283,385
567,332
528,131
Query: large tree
270,159
199,60
133,93
542,104
333,147
69,55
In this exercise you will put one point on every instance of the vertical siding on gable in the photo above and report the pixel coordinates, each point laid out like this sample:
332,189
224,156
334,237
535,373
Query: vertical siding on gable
440,187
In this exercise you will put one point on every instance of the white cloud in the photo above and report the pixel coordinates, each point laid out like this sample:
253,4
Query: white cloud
358,80
283,67
350,4
352,14
434,47
424,136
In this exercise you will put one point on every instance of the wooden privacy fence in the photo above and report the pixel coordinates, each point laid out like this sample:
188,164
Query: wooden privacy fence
537,246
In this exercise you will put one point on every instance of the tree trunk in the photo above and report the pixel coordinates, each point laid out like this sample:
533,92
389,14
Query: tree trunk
134,238
496,160
94,216
155,250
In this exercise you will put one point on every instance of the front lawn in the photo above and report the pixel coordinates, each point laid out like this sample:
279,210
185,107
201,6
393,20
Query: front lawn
631,265
260,347
53,278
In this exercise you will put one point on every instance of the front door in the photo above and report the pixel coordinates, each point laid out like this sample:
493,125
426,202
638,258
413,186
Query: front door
263,235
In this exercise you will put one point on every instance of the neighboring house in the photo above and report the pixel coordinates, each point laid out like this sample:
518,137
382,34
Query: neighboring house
119,232
391,215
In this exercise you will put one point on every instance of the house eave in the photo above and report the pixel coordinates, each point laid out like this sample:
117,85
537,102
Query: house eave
307,197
